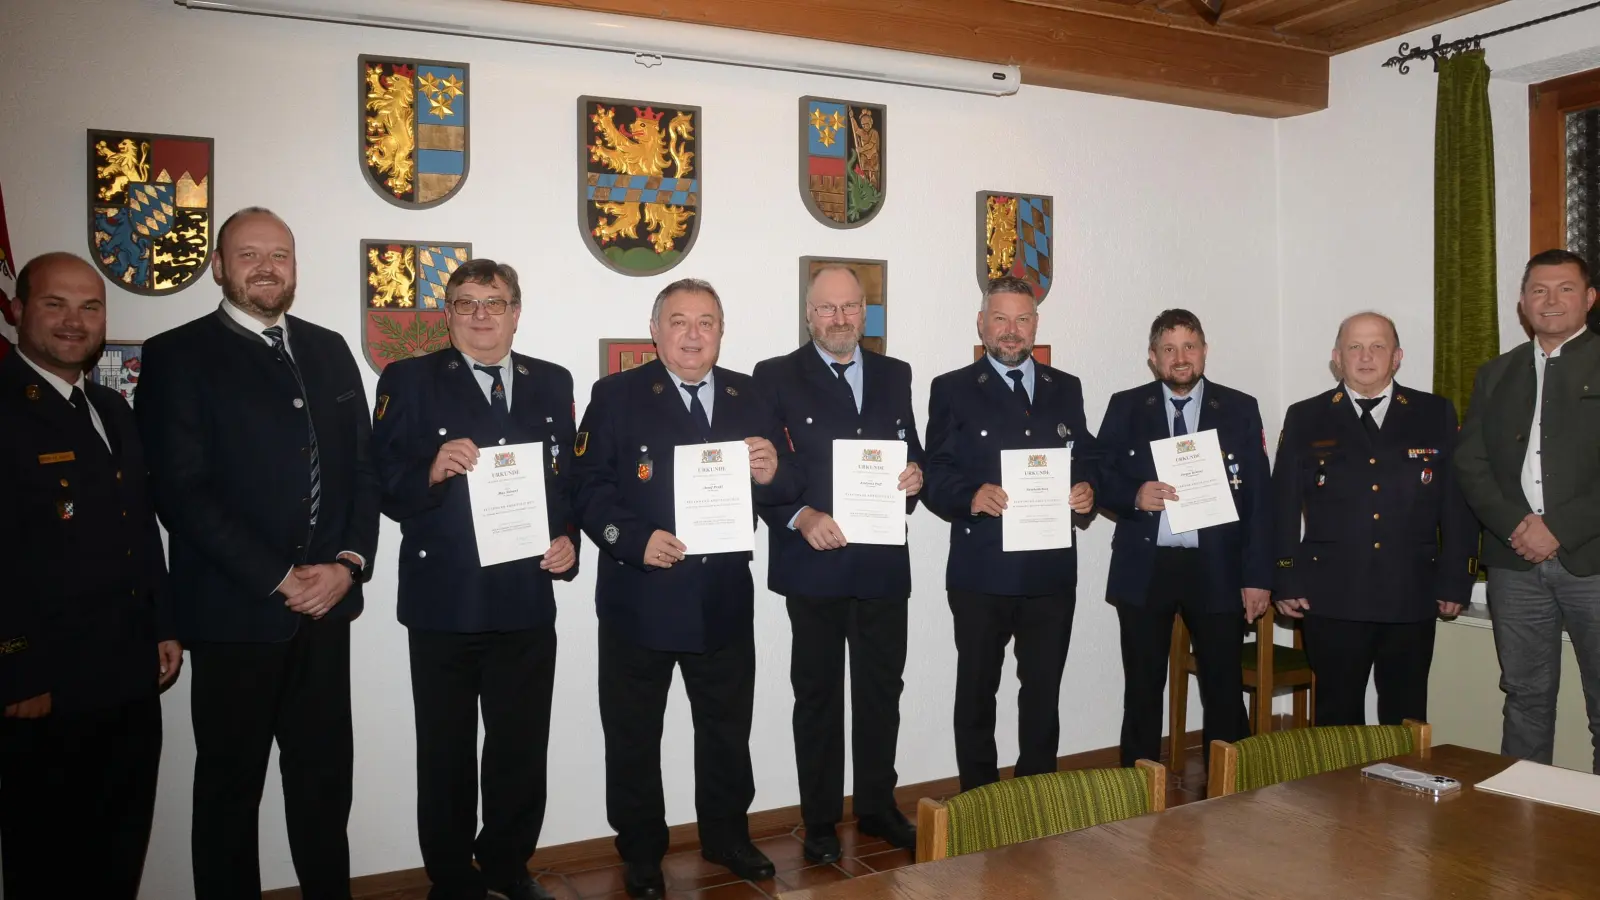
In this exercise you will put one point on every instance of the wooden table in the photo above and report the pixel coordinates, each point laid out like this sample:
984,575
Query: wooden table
1337,835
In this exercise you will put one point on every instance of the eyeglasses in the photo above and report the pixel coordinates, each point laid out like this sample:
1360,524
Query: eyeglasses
494,306
829,311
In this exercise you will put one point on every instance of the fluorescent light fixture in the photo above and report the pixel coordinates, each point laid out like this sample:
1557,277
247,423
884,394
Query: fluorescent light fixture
648,40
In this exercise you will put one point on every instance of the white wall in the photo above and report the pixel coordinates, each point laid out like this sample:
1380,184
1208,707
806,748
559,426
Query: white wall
1355,202
1155,206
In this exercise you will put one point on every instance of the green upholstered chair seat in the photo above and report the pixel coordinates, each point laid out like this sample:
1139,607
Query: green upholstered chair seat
1284,659
1022,809
1279,756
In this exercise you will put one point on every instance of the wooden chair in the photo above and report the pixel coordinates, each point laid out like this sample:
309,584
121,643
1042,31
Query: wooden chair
1267,759
1267,667
1036,806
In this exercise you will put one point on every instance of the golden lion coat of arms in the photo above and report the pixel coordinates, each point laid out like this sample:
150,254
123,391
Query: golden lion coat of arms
639,197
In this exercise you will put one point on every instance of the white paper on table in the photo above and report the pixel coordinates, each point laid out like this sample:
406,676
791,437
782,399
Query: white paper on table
1038,484
711,498
868,503
1546,784
1192,464
506,492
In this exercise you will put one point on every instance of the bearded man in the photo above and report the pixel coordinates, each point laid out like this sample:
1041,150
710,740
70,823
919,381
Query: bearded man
257,430
841,595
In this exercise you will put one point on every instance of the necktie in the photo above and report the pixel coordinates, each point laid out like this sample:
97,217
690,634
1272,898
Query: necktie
497,394
1179,426
1367,420
80,403
1022,392
844,383
697,410
314,498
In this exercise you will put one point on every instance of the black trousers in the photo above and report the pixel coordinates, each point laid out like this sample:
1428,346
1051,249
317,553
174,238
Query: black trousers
244,697
512,674
1177,588
875,632
985,623
1343,654
634,681
77,793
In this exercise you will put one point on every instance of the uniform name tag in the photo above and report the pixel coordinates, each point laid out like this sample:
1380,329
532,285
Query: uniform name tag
46,459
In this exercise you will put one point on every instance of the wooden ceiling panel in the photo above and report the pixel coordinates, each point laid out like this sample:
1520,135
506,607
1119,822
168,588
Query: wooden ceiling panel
1264,57
1329,26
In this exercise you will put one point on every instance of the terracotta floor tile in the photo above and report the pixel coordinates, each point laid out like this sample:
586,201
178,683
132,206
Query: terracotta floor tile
557,886
786,852
739,890
892,859
691,872
810,877
596,882
854,867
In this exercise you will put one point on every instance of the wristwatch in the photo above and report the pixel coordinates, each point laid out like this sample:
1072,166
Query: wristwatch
355,570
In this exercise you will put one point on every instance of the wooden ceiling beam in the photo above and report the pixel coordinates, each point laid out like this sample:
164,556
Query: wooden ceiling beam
1055,47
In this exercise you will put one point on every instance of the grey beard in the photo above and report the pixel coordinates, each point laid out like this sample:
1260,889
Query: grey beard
838,345
1010,359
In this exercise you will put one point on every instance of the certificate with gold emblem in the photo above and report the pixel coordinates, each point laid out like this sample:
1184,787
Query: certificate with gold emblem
1192,464
1038,484
711,498
868,503
509,515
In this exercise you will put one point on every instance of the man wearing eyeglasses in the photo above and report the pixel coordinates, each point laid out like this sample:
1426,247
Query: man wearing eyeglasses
478,634
841,594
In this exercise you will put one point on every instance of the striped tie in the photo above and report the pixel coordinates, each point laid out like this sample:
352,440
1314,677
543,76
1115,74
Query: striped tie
275,335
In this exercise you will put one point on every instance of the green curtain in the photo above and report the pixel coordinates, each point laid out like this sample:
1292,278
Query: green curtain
1466,329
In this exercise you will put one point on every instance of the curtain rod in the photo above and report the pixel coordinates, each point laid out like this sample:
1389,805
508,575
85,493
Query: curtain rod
1439,51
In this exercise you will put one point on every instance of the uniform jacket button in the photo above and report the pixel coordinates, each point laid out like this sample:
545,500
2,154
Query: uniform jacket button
422,554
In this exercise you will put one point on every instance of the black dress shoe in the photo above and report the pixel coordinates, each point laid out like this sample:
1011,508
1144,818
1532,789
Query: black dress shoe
892,827
744,861
822,844
526,889
643,881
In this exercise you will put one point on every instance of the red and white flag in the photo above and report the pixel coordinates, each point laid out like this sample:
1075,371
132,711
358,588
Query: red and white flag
8,284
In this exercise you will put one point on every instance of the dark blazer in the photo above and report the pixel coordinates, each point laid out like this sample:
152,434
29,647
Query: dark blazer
1494,441
1387,531
972,416
86,598
813,411
1236,555
225,424
623,465
424,403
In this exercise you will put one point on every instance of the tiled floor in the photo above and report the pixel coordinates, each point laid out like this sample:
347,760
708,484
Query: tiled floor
689,876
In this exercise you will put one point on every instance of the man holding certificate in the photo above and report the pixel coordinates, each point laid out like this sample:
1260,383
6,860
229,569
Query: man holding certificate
1389,542
1184,444
669,459
838,556
473,444
1007,440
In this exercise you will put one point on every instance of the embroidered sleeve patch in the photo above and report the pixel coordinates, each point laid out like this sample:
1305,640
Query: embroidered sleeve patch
580,444
381,408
